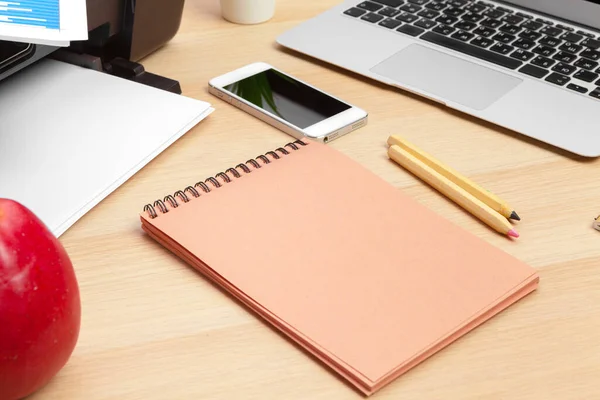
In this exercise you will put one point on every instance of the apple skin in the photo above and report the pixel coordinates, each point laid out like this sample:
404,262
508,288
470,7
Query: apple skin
40,310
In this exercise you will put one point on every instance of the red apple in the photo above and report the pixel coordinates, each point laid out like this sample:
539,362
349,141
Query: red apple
39,303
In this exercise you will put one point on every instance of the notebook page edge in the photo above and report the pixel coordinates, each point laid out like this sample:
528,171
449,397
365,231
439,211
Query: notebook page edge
526,288
346,372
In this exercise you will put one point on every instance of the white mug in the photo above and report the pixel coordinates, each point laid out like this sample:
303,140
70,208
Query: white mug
247,11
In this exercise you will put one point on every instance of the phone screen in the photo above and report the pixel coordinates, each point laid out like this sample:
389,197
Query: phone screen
285,97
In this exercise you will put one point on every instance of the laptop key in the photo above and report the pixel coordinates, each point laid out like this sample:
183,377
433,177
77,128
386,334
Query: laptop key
425,23
558,79
586,64
529,34
429,14
411,8
354,12
586,76
463,35
564,69
520,14
389,12
566,28
476,8
446,19
512,29
372,17
406,17
522,55
550,41
472,17
444,29
534,71
544,50
471,50
577,88
410,30
454,11
483,31
482,42
591,54
582,33
524,44
502,48
494,13
506,10
504,37
513,19
458,3
419,2
391,3
565,57
491,23
532,25
545,21
436,6
369,6
571,47
390,23
591,43
551,31
571,37
543,62
465,25
596,93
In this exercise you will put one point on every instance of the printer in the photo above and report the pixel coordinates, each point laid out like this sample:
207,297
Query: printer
120,34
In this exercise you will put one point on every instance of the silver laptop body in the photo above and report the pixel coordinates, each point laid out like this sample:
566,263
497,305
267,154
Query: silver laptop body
532,66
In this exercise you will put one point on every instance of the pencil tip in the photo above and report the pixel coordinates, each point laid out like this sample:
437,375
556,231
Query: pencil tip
515,216
513,233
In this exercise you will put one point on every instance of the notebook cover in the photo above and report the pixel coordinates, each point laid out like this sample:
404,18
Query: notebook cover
365,277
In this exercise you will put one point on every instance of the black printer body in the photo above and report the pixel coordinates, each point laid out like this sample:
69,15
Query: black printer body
120,34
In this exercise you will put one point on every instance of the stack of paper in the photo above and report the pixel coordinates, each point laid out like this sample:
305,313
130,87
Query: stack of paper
70,136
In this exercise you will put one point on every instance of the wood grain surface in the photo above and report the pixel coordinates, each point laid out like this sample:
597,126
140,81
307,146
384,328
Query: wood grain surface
152,328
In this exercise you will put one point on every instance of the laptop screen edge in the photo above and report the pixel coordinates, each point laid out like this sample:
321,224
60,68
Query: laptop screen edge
584,12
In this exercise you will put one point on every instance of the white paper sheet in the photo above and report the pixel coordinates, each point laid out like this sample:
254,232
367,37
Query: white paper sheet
49,22
70,136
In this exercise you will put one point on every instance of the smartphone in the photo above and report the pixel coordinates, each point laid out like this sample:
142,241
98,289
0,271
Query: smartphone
295,107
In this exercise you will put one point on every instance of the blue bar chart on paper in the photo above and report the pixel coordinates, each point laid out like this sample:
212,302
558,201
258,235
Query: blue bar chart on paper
32,13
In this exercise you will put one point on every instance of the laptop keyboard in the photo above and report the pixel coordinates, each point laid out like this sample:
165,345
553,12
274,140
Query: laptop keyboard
537,47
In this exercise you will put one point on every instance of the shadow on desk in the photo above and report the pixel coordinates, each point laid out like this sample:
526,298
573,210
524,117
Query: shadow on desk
467,117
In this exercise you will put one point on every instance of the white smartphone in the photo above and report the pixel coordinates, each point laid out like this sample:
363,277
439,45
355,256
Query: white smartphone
295,107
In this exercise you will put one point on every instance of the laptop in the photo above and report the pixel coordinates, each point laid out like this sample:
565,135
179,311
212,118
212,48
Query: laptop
532,66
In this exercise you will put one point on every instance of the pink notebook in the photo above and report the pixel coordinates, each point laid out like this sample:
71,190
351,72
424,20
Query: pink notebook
359,274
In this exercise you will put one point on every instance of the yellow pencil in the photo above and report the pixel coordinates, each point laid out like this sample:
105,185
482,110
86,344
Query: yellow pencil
452,191
485,196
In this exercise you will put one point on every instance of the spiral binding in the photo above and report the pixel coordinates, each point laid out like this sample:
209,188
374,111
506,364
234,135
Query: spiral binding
222,178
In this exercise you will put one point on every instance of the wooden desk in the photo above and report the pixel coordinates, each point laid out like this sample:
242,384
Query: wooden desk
154,329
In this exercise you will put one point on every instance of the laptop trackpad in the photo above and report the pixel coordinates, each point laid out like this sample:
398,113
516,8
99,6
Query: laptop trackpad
447,77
